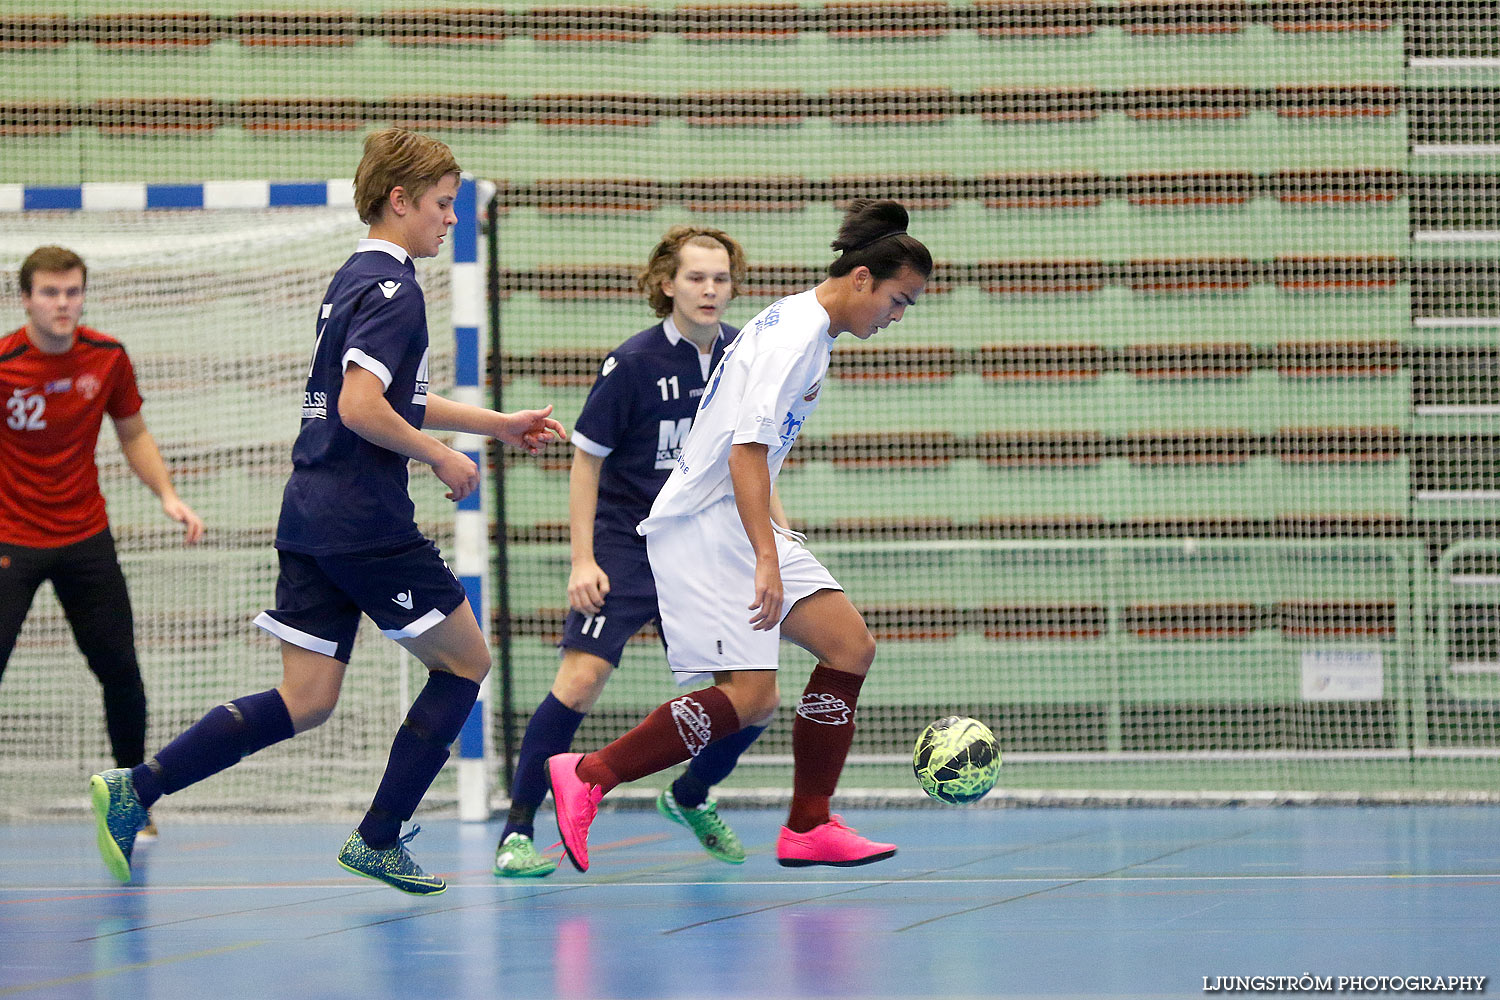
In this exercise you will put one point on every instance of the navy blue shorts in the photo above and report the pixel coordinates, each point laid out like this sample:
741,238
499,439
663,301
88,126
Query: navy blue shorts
405,589
604,635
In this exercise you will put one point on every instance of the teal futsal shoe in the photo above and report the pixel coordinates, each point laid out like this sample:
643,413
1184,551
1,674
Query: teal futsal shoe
517,857
394,867
712,832
118,817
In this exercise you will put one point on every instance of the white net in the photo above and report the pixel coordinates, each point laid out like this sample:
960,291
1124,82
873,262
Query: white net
216,309
1183,474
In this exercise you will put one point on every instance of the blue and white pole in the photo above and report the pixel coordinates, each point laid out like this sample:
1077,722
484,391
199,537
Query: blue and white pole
471,527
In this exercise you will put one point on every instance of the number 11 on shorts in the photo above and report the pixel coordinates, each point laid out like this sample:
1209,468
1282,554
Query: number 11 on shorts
593,625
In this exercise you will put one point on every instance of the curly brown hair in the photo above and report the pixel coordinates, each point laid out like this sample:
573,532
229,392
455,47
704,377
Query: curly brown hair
666,258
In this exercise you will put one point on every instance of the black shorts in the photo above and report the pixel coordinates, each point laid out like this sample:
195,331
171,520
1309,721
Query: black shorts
405,589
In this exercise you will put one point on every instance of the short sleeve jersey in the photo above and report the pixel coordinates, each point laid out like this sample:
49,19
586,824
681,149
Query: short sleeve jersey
636,418
54,406
346,494
763,391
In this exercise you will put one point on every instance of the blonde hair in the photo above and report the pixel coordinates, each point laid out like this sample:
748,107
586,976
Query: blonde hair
50,260
398,157
664,261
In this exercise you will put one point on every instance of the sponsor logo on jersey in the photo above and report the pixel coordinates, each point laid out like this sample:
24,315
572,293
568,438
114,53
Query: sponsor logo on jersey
812,394
314,405
791,426
419,393
824,709
404,599
388,288
670,435
327,310
88,384
693,724
610,364
57,385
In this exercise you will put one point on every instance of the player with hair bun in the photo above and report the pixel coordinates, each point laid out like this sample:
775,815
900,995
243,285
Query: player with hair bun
626,442
716,552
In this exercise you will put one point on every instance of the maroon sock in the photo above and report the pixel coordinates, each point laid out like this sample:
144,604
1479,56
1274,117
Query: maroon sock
822,733
671,734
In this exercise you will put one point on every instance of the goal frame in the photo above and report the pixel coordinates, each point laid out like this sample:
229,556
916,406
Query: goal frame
470,525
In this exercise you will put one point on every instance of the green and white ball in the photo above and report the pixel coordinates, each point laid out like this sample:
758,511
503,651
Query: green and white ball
956,760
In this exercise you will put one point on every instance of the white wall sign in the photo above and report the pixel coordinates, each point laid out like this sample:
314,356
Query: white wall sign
1342,675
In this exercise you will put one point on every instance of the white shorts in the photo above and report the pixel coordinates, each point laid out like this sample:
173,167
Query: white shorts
705,580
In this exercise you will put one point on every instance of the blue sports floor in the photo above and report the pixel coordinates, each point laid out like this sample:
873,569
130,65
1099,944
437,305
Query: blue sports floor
978,903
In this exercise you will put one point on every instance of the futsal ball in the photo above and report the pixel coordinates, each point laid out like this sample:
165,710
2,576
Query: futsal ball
956,760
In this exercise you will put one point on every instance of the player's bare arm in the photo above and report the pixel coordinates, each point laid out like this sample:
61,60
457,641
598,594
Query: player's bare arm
144,458
588,584
752,497
364,410
529,430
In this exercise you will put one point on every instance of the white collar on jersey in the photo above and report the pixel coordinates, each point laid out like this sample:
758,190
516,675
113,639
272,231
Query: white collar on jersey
386,245
674,335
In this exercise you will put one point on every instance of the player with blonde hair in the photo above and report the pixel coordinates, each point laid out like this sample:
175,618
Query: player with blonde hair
347,538
625,443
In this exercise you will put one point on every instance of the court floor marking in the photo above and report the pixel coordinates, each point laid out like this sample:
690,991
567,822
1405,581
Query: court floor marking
435,911
540,890
1483,878
226,913
860,886
632,878
84,977
1078,881
847,887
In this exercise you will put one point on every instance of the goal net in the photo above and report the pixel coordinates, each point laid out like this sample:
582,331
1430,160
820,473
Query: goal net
216,309
1184,475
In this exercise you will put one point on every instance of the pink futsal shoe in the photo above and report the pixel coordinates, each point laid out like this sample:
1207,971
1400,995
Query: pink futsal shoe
831,843
576,802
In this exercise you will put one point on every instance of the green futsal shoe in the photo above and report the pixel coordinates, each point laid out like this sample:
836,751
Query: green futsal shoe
517,857
118,817
394,866
712,832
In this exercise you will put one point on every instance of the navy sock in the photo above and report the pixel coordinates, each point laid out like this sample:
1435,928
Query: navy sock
550,731
417,755
220,739
712,766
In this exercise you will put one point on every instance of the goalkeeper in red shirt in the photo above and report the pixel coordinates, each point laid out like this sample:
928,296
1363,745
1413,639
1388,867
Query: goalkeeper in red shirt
58,379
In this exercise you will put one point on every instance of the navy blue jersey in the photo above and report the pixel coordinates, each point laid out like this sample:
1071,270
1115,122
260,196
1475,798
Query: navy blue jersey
637,416
346,494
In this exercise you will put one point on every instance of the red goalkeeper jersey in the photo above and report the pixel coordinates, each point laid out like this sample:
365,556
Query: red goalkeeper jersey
54,404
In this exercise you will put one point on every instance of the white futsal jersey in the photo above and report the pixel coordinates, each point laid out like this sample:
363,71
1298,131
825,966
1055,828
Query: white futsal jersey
765,387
